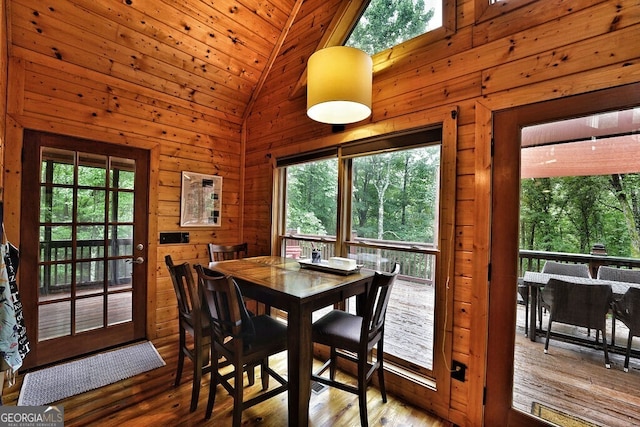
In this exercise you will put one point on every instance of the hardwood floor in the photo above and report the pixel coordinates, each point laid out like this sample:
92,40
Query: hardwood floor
150,399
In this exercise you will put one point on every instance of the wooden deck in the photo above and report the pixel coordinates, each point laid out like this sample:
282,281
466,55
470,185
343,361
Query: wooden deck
573,378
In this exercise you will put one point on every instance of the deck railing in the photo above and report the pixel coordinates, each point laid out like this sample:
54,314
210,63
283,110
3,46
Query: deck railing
56,268
534,260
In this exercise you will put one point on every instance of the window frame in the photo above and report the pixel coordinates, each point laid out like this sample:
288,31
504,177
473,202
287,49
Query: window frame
437,385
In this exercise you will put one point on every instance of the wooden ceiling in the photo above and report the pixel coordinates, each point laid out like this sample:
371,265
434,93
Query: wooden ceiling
212,53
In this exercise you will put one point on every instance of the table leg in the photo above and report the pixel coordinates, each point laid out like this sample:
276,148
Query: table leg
533,311
299,361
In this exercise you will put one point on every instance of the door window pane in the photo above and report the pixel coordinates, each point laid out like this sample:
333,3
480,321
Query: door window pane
91,205
120,308
89,313
122,173
92,170
121,206
54,320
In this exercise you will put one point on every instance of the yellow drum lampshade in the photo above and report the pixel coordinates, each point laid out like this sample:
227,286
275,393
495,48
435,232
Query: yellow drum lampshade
339,82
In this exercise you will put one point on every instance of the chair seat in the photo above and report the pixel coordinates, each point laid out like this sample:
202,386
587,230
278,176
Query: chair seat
269,333
338,328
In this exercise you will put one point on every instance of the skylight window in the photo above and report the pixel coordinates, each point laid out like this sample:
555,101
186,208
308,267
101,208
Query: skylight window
387,23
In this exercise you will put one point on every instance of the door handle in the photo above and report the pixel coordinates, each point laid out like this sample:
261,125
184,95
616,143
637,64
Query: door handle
138,260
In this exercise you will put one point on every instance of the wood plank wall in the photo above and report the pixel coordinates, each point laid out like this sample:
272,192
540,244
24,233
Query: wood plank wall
79,100
543,50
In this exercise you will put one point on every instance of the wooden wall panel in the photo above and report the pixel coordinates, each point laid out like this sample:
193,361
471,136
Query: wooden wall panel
84,104
176,76
4,61
540,51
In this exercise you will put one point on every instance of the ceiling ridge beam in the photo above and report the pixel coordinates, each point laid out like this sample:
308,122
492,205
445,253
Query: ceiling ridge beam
272,58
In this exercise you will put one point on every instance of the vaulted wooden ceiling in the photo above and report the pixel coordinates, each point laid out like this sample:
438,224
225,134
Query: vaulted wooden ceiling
212,53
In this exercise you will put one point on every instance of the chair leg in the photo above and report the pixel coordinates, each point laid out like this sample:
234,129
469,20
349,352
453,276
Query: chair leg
526,314
265,373
213,385
626,357
379,359
238,389
251,374
333,364
200,359
607,364
546,342
195,387
362,391
180,358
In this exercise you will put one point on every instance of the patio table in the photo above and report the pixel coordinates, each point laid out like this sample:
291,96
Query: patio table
535,281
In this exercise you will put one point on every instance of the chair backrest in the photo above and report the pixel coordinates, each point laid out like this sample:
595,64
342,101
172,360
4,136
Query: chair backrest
227,252
185,289
618,274
566,269
377,302
579,304
223,300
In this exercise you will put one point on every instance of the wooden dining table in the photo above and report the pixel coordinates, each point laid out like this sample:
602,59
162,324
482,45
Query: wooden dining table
535,281
299,290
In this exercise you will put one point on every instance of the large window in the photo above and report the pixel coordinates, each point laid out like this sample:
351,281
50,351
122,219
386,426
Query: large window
387,193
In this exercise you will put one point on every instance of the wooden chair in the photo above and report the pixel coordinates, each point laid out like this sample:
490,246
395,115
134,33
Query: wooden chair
242,340
627,310
579,305
357,334
193,321
227,252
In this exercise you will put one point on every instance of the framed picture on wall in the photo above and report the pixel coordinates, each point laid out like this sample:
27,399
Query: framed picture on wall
200,200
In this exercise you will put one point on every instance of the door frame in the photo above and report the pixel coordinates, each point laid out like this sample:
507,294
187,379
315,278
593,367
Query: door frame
12,176
504,221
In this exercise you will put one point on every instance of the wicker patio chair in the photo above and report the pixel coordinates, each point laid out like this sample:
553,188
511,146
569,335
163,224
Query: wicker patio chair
627,310
579,305
564,269
618,275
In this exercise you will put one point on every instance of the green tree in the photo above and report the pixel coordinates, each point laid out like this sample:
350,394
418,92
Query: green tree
311,194
626,189
386,23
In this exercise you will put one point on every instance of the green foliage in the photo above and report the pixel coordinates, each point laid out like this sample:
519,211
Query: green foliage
394,196
571,214
312,190
386,23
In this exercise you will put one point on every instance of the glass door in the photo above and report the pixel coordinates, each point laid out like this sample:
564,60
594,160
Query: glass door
84,247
